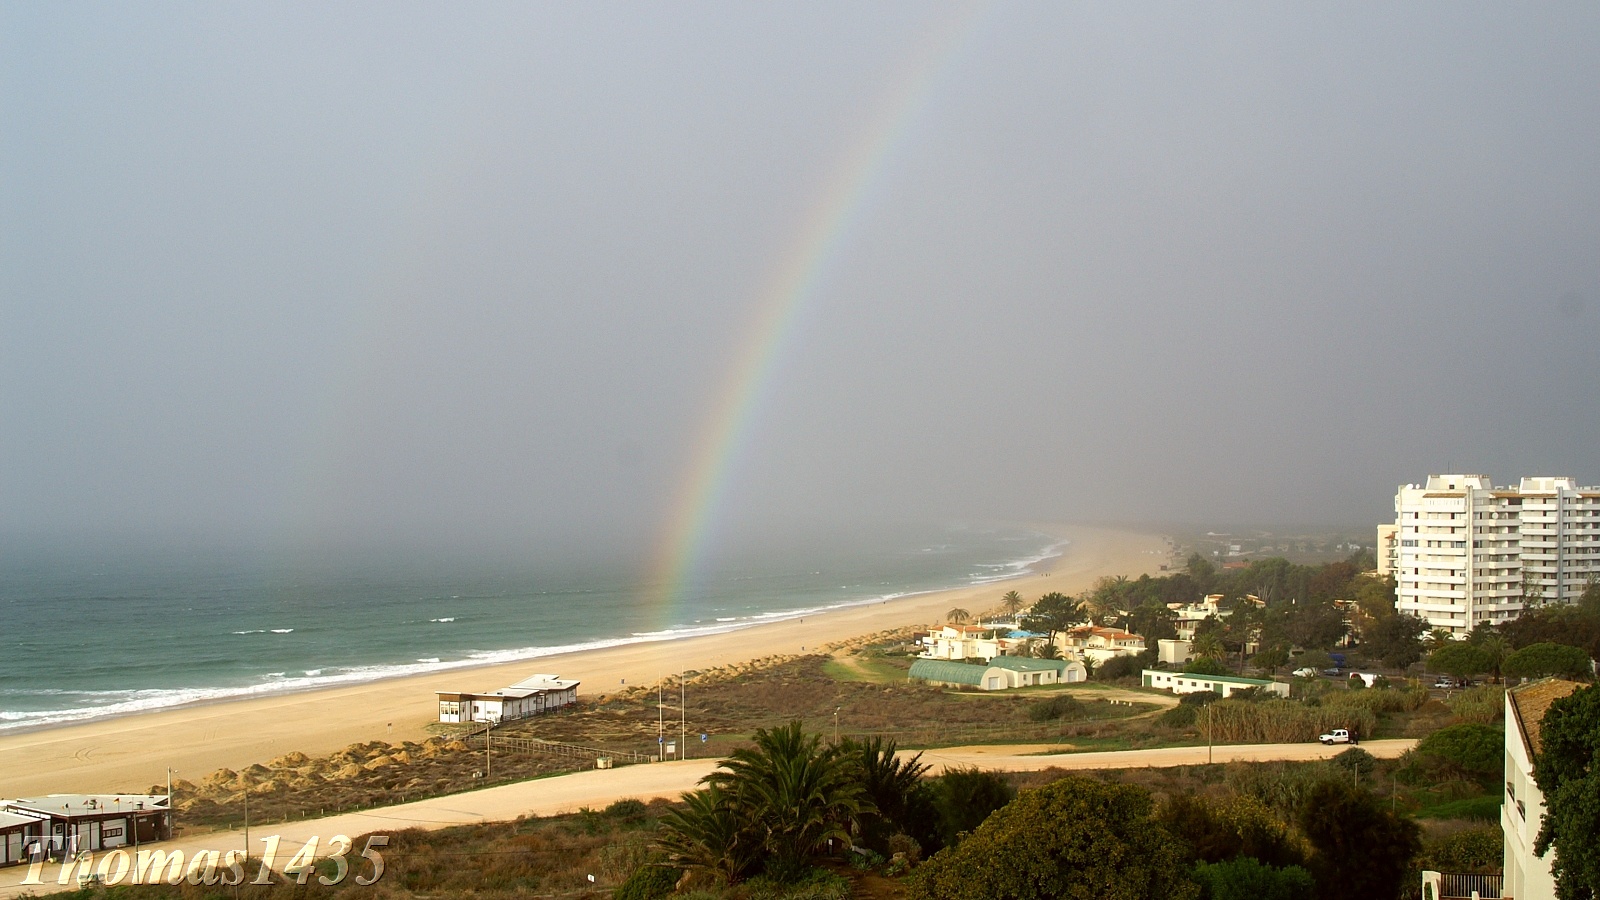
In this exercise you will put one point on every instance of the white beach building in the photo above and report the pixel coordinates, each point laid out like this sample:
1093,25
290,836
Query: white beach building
1470,552
61,825
529,697
1191,683
1000,673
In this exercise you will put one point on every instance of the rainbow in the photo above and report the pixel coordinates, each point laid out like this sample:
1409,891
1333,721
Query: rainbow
823,232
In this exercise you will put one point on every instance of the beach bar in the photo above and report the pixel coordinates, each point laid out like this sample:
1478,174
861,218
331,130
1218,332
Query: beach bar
529,697
15,831
60,825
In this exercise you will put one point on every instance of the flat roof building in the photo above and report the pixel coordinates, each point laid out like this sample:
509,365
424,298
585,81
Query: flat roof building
1469,552
1194,683
529,697
60,825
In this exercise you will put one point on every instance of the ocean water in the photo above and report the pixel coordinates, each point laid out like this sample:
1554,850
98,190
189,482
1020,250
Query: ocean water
101,634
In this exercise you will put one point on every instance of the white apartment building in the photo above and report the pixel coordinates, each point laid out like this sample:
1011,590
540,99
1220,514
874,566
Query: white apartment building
1471,552
1388,552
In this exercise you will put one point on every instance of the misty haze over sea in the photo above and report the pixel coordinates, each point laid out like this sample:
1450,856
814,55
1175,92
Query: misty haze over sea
115,632
437,318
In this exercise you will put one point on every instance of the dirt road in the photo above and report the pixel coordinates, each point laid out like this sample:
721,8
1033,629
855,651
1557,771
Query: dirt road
598,788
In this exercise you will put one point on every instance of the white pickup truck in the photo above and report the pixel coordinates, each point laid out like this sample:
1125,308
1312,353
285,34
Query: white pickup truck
1338,736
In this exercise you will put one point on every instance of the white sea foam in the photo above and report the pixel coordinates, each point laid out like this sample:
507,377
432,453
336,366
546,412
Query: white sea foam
102,704
1018,567
252,631
445,619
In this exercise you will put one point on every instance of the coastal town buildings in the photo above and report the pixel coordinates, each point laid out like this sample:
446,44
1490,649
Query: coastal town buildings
1526,876
1470,552
529,697
1093,644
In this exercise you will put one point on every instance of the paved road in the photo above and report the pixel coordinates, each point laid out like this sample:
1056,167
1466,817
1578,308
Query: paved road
598,788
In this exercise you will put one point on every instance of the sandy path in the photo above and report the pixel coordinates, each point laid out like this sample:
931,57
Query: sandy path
130,754
596,789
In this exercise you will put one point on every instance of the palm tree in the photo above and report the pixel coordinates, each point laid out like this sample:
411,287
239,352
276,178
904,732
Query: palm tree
1495,649
1011,603
958,615
1047,650
1436,638
710,836
896,788
796,794
1208,645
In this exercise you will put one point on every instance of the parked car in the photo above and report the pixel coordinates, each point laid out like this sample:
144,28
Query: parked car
1306,672
1446,682
1339,736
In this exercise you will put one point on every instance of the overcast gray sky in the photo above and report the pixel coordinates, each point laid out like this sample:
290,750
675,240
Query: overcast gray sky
461,273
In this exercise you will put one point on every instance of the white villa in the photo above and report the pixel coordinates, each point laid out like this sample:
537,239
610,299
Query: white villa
1098,643
1527,877
528,697
976,642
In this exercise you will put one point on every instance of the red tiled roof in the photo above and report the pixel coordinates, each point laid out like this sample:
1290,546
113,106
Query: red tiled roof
1531,701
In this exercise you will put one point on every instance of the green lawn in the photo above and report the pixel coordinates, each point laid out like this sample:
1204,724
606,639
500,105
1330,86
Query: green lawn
1486,808
868,669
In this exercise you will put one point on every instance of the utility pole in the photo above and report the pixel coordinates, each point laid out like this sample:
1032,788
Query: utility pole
170,829
661,724
1211,734
683,717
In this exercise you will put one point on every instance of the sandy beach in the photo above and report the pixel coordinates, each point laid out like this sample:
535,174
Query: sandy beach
132,753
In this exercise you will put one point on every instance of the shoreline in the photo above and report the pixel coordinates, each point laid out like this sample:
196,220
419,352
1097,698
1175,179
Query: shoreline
133,751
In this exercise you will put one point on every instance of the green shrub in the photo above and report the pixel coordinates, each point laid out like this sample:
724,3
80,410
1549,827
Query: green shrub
1248,879
1378,700
1205,667
1475,851
627,810
1355,759
1061,706
1199,698
1484,704
1469,749
1484,808
1236,826
1178,717
1118,668
1073,838
647,883
818,884
1282,786
965,797
1279,721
